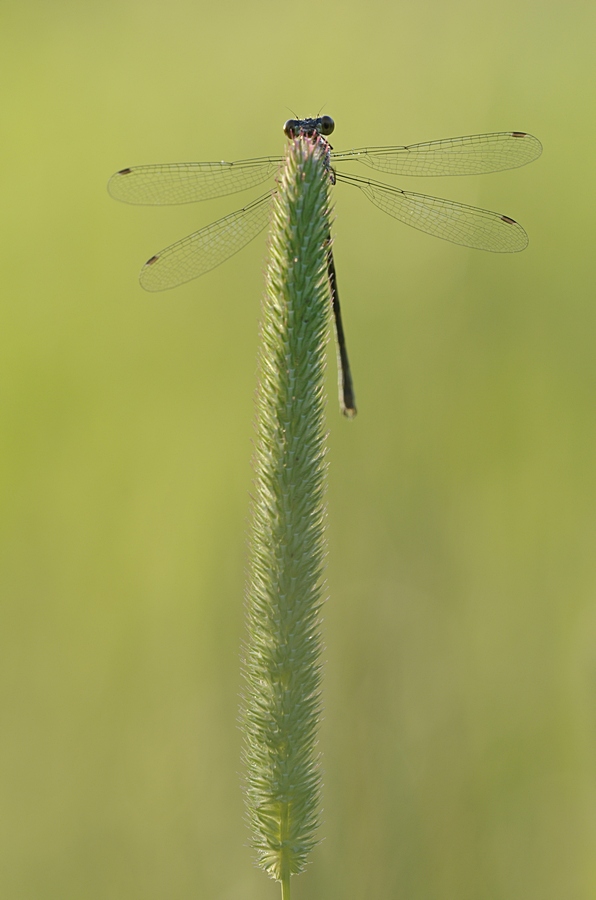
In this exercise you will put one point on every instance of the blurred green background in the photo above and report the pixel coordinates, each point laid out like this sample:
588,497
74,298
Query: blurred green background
459,734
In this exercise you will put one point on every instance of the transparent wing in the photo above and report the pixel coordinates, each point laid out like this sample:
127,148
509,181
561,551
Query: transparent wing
456,222
205,249
473,155
189,182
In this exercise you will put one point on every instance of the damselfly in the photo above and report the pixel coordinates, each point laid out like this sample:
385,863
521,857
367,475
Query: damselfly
210,246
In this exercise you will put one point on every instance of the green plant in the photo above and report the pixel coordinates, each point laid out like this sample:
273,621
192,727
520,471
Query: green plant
282,669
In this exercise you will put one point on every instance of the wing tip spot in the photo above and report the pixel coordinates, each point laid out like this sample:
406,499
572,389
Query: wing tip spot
124,172
505,219
151,261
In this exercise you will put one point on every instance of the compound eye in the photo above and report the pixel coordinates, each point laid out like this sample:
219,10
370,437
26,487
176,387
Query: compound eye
327,125
290,127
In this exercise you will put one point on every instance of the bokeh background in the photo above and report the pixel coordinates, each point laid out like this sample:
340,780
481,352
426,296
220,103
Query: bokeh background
459,734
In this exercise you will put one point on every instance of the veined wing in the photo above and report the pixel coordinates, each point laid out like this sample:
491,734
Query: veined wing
456,222
473,155
205,249
189,182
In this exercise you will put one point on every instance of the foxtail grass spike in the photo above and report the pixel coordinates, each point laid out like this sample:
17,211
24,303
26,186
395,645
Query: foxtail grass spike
282,670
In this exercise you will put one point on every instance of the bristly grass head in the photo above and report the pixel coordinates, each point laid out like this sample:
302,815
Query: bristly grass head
282,670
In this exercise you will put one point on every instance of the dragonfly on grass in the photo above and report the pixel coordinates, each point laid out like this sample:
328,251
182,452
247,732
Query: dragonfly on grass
210,246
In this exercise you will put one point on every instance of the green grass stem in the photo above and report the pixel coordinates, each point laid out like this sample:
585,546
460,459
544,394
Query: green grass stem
282,670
